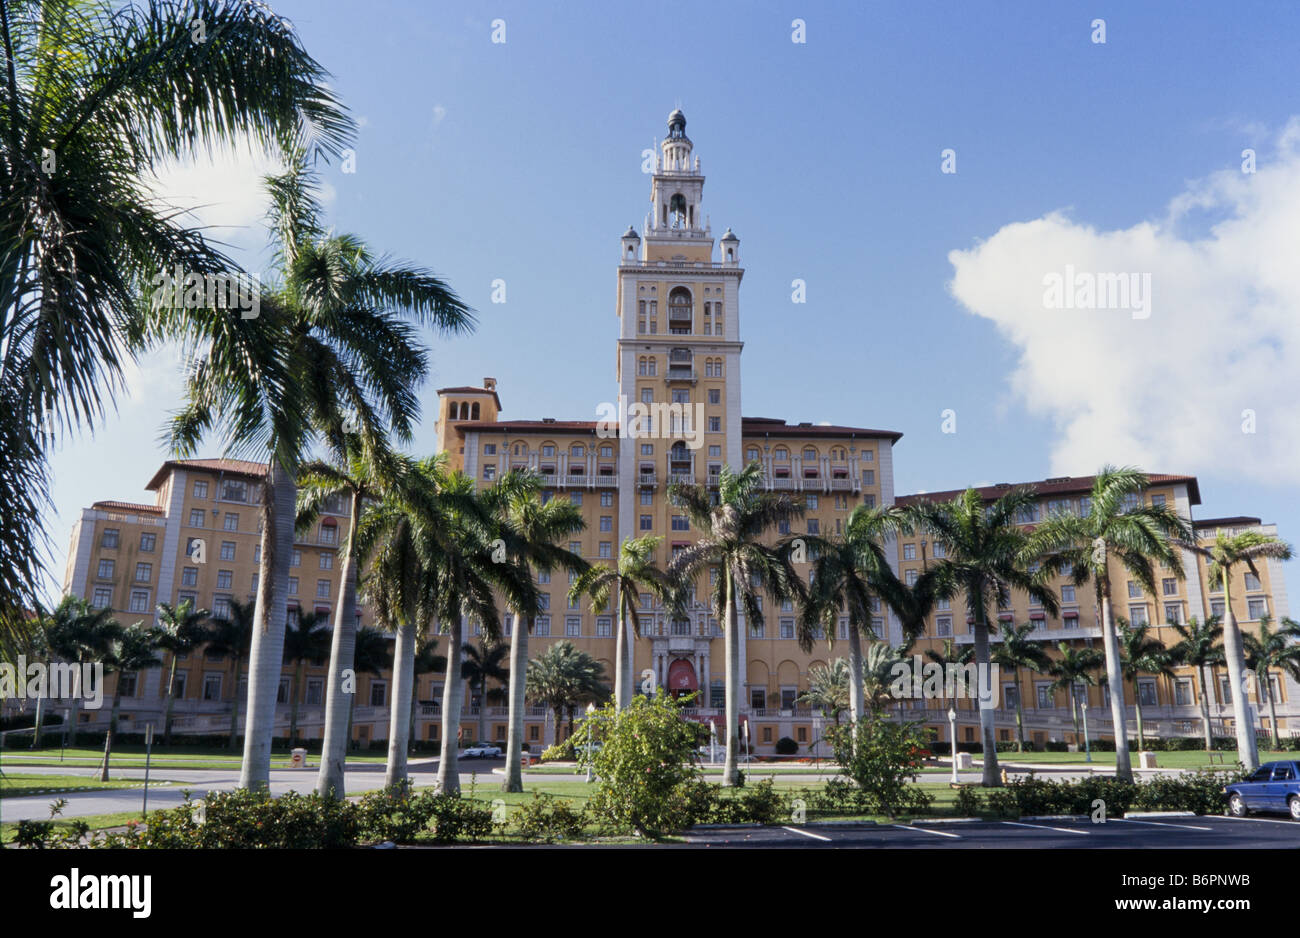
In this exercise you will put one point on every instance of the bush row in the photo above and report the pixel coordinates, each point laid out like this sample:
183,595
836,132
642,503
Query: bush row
1200,792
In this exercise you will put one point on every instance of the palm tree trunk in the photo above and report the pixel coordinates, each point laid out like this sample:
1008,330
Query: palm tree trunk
1020,712
855,675
293,702
234,704
514,780
1247,753
623,644
1205,710
1137,712
36,725
482,710
343,644
167,703
992,775
1267,691
399,711
117,705
731,641
266,654
1115,678
448,780
1074,714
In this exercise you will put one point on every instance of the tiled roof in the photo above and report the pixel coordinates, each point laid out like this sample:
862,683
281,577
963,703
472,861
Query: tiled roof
240,467
128,506
771,426
1064,485
527,426
469,390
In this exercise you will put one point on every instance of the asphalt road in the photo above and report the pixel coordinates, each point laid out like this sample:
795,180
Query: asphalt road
1190,833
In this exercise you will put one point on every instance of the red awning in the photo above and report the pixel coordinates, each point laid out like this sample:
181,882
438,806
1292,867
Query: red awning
1006,617
1038,615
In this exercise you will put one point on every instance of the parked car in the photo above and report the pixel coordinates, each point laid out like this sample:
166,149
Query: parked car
481,751
1274,786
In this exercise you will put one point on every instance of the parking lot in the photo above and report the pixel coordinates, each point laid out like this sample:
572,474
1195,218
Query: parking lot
1164,833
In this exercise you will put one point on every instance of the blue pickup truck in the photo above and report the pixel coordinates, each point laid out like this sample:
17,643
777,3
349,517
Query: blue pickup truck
1274,786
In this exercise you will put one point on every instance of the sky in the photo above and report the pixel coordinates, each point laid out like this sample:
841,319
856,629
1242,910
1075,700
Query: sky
928,292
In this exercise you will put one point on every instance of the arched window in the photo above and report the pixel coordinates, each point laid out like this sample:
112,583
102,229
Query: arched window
577,451
473,411
677,211
781,454
679,311
453,410
751,454
809,454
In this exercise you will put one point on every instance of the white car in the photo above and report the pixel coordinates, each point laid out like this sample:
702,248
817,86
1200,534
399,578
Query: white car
481,751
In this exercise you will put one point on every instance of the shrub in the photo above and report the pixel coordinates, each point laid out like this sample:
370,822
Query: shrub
881,758
969,803
560,752
785,746
645,765
1201,792
547,819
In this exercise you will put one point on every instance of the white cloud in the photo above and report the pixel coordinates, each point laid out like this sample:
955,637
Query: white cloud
1166,392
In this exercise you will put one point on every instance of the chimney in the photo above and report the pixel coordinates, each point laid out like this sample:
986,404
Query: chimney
490,384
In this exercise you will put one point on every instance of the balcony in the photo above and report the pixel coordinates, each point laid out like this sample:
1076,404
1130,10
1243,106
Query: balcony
604,481
682,478
647,479
841,484
681,373
785,484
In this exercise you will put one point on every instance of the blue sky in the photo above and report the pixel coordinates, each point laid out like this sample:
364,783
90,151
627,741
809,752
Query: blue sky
521,161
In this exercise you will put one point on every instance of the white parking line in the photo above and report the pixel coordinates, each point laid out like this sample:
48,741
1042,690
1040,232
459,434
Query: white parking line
1186,827
922,830
1264,820
795,830
1044,827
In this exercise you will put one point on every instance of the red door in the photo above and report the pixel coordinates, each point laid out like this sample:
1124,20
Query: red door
681,678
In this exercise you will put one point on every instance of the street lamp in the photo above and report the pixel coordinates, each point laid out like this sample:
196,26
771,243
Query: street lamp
591,712
1087,744
952,738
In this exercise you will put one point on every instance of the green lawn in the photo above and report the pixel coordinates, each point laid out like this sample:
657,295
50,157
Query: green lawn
1165,760
18,786
94,821
175,757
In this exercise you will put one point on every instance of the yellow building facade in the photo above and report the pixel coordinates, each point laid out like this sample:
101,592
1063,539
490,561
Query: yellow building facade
676,415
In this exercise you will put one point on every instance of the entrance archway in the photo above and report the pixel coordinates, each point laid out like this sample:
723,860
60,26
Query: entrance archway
682,679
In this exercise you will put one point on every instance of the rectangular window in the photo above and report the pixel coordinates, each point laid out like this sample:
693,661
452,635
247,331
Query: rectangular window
234,491
1134,590
1157,501
542,626
943,626
606,549
212,687
190,576
322,589
573,626
1147,693
227,550
200,488
607,522
103,597
196,517
378,693
293,586
814,526
221,606
1256,608
787,628
232,521
327,560
1137,615
225,579
1183,693
1252,582
139,600
1174,613
606,499
1045,701
106,569
315,692
147,542
1067,593
756,629
604,627
1169,586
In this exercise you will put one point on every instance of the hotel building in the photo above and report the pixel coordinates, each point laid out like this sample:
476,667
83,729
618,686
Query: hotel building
679,417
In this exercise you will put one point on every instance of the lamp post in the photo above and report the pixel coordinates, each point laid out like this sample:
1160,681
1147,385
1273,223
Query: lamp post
1087,744
591,712
952,740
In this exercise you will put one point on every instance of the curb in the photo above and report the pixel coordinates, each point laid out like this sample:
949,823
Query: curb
948,820
1054,817
1142,814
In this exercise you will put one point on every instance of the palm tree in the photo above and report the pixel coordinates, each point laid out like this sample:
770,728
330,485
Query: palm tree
878,669
1019,650
850,572
988,554
1225,553
1140,654
307,639
131,651
179,630
1268,650
97,97
828,689
1075,667
362,474
232,635
372,655
530,531
482,664
1201,649
80,634
733,525
332,347
636,572
1120,527
564,678
953,662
